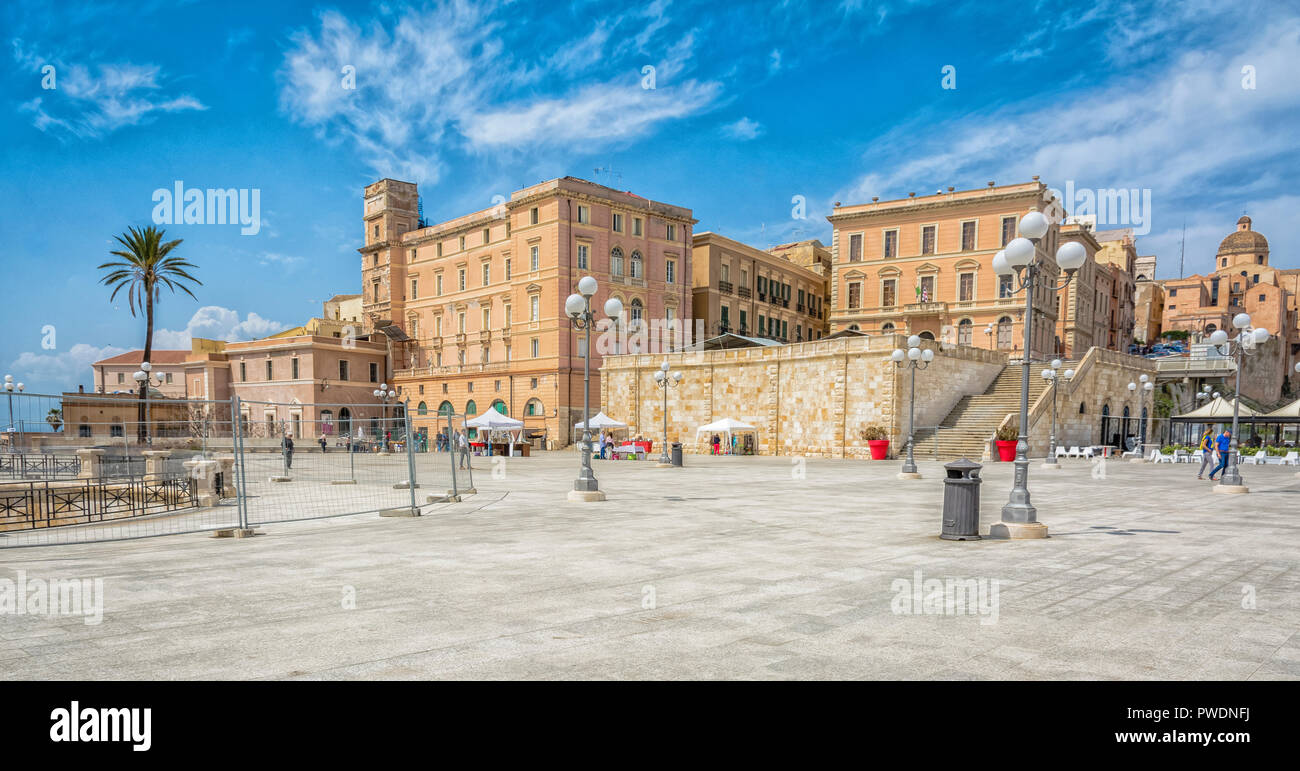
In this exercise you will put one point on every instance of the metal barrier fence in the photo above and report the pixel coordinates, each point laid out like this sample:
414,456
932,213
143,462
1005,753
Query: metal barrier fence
102,473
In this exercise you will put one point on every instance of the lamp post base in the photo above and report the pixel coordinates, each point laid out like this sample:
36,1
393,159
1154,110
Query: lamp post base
1018,530
586,496
1050,464
909,475
1231,489
664,464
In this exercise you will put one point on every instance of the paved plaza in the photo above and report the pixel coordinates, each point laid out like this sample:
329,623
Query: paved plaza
734,567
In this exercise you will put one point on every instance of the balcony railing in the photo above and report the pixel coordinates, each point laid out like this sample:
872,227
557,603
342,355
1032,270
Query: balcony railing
724,287
745,291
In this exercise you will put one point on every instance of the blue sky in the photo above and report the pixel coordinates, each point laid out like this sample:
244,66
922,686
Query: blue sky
753,104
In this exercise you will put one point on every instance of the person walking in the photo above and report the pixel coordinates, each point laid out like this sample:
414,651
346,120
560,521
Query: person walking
462,442
1207,451
286,447
602,445
323,444
1224,443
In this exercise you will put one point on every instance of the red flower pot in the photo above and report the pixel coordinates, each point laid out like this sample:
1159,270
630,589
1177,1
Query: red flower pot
1006,449
879,448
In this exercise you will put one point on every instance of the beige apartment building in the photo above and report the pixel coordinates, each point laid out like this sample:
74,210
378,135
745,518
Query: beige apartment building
747,291
923,265
481,297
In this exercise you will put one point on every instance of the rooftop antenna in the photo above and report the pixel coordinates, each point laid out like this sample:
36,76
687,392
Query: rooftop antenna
609,174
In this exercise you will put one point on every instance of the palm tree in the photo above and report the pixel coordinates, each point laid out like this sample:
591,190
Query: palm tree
55,418
147,265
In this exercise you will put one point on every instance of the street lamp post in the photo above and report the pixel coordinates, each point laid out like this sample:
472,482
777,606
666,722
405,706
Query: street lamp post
143,377
665,380
988,332
578,308
1050,374
1021,259
9,392
1147,388
913,358
384,394
1244,344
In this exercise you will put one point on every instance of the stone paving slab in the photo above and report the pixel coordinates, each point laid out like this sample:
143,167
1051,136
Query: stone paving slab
752,568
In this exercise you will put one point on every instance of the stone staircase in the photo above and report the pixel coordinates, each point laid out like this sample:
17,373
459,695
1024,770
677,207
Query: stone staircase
965,432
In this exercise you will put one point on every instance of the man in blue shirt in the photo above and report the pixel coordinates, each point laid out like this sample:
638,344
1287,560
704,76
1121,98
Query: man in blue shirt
1224,443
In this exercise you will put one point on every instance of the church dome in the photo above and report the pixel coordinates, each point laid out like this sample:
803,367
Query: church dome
1243,240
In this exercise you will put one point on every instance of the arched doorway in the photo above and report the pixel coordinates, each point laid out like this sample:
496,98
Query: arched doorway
345,421
1004,332
964,329
926,335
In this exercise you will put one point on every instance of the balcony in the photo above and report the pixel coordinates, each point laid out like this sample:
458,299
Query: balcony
925,309
725,287
745,291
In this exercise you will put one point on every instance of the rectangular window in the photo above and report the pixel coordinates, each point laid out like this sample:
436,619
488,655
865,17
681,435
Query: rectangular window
744,321
415,288
343,369
670,272
584,253
891,244
460,279
927,239
966,287
670,232
534,258
438,284
437,326
927,289
855,294
509,316
888,292
487,236
487,319
243,372
507,269
487,273
1004,286
618,223
855,247
374,372
725,318
439,248
536,346
636,226
293,368
268,370
168,376
534,308
1008,230
462,243
968,235
533,216
584,215
460,322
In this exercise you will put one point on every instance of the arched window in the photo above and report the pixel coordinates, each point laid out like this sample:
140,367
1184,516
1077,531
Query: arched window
1211,329
345,421
1004,332
635,312
926,335
471,409
422,409
964,328
887,327
499,406
637,271
616,261
1081,408
445,408
533,407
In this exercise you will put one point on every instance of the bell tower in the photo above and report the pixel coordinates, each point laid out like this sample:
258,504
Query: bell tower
391,210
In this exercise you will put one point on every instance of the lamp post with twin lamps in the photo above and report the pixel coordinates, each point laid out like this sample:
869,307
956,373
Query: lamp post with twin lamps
145,379
915,359
665,380
1021,259
9,391
1051,376
384,394
1147,388
578,308
1244,344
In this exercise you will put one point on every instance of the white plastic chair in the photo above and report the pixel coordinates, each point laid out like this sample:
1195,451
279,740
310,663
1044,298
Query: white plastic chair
1061,452
1180,456
1160,457
1088,452
1291,459
1196,457
1258,458
1136,452
1075,452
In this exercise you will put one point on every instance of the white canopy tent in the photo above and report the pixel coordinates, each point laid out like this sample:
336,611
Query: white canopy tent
494,422
726,428
1217,410
599,422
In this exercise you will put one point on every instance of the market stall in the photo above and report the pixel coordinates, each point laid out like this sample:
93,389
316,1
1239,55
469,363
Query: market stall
600,422
735,437
504,434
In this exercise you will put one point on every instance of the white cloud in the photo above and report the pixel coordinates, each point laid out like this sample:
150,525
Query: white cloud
55,372
743,129
434,81
216,323
92,101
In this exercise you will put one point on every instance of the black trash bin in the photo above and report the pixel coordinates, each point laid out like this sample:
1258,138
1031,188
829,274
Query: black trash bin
677,453
961,501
